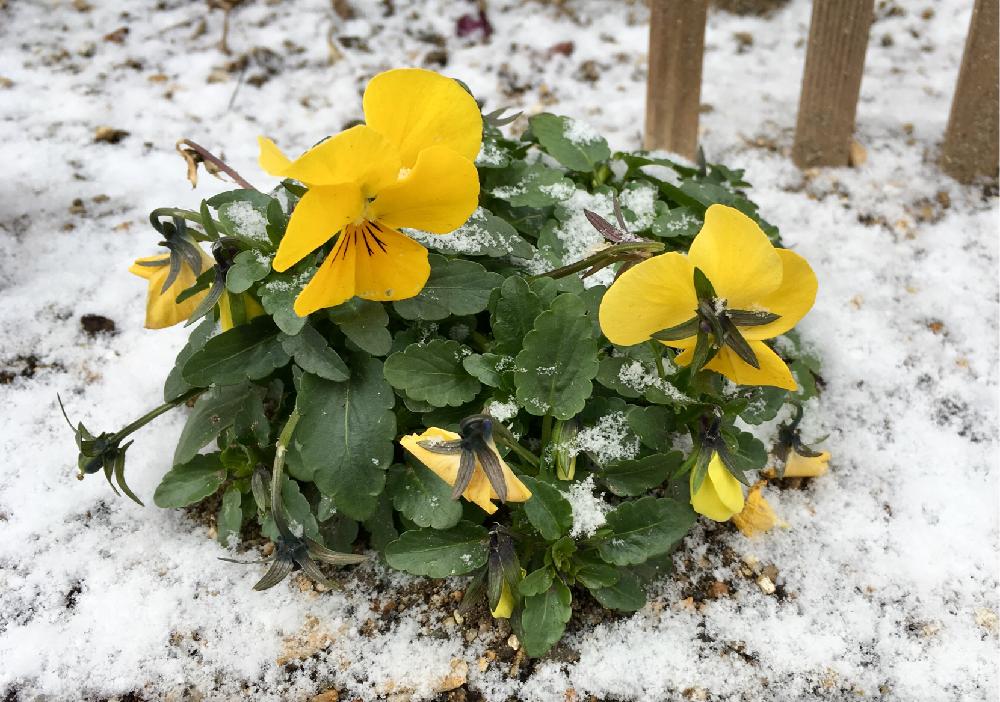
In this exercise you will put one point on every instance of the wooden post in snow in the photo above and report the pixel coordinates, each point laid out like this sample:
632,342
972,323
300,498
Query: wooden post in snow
673,88
831,82
971,140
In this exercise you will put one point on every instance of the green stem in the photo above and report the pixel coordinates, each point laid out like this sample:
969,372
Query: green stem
284,439
658,358
153,414
604,258
546,431
215,160
189,215
522,452
479,341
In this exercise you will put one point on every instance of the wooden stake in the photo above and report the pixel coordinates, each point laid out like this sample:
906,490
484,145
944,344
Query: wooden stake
971,141
673,88
831,82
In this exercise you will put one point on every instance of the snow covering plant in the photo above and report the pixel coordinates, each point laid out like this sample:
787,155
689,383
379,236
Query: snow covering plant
341,378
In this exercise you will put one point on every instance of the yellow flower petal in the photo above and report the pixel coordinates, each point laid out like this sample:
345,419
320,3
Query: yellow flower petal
757,515
445,466
357,155
416,109
390,265
438,195
799,466
505,607
162,309
736,255
792,299
720,495
773,371
649,297
319,215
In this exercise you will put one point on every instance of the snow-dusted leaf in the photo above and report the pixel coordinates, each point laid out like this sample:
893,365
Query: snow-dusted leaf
432,373
230,517
277,296
644,528
535,185
514,315
439,553
422,497
571,143
558,361
344,440
454,287
483,234
248,268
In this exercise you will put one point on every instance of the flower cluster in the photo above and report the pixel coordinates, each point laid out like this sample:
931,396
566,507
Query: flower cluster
375,369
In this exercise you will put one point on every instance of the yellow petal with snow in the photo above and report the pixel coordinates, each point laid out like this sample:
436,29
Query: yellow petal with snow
357,155
773,371
720,495
416,109
445,466
736,255
649,297
438,195
321,213
792,299
162,309
799,466
757,515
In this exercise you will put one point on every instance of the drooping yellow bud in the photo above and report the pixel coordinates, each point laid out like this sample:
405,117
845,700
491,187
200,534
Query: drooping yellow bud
720,495
799,466
505,607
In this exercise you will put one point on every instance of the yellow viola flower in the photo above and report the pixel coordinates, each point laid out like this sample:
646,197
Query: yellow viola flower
162,308
251,309
720,495
475,471
409,165
758,292
757,516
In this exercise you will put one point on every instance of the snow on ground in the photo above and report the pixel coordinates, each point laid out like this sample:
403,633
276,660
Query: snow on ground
886,579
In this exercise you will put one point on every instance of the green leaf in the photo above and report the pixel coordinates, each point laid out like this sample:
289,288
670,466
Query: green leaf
314,355
514,315
630,478
609,374
558,361
364,322
537,582
252,424
432,373
277,296
455,287
230,517
626,595
653,426
214,411
248,268
594,573
676,222
190,482
439,553
764,405
175,385
380,525
243,214
484,368
250,350
547,510
423,497
344,440
535,185
569,144
483,234
544,618
644,528
747,452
